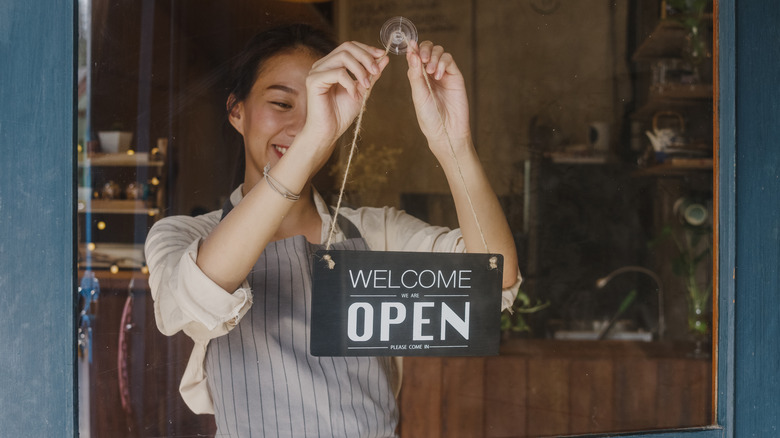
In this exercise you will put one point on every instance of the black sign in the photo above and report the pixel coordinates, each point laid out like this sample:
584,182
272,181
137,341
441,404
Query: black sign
370,303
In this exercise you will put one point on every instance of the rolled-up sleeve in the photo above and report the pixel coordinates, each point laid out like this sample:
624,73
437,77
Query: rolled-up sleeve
390,229
184,297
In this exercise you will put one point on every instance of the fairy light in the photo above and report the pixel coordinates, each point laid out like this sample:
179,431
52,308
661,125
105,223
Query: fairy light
114,269
130,152
144,269
155,181
91,246
101,225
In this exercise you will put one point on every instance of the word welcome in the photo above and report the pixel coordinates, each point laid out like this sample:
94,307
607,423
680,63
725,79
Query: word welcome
410,279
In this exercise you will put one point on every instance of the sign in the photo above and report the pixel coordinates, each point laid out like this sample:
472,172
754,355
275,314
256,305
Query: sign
373,303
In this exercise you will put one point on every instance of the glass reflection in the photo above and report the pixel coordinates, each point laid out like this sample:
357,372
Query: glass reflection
593,119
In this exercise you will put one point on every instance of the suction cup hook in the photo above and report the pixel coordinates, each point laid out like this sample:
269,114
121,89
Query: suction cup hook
396,33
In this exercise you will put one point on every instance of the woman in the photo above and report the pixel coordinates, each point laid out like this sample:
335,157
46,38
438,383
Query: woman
237,281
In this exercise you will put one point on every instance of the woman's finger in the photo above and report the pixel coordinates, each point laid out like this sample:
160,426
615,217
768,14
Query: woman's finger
322,81
382,63
376,52
346,60
424,49
361,53
433,62
445,64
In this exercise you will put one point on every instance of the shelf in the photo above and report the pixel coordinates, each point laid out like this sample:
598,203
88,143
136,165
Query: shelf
648,110
673,92
126,256
116,207
572,158
120,160
677,167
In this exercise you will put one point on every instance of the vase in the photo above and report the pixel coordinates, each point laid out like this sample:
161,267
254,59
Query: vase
699,324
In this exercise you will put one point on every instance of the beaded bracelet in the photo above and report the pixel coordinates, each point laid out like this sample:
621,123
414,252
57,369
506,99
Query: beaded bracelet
277,186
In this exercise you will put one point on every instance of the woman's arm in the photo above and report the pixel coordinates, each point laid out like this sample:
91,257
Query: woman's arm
333,100
444,119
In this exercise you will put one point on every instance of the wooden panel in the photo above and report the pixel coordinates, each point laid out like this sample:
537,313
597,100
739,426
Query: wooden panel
154,365
635,394
682,388
462,397
506,390
548,397
544,387
37,333
421,401
591,388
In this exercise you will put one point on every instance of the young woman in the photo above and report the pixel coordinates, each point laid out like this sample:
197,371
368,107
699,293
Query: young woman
237,280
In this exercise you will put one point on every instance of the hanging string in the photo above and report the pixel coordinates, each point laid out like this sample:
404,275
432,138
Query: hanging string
455,158
358,123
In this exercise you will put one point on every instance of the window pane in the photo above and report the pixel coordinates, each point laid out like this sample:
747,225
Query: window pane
592,119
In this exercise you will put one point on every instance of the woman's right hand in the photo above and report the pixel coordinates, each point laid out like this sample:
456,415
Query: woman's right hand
335,88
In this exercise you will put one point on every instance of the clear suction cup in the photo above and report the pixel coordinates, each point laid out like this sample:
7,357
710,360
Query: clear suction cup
396,33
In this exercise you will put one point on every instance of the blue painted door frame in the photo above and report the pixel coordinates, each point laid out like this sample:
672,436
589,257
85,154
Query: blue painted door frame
37,107
37,254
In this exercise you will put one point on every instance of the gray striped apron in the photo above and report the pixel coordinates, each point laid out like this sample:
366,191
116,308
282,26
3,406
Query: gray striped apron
264,382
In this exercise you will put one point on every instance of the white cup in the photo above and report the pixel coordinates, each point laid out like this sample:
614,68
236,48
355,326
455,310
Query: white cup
598,136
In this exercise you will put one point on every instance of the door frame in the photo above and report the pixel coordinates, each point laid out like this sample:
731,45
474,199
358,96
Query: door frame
37,208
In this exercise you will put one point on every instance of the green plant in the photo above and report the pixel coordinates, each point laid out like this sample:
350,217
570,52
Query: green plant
512,318
691,14
693,244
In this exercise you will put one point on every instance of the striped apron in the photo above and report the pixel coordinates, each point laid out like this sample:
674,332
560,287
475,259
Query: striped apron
264,382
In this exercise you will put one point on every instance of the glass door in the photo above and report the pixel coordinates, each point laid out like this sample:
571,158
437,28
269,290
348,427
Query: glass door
593,120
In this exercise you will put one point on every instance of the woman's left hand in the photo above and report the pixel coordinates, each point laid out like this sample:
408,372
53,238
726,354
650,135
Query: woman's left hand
449,96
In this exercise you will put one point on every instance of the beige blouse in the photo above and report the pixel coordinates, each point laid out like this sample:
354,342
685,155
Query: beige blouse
186,299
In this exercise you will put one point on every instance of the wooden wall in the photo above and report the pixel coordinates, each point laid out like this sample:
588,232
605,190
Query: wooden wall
566,65
548,388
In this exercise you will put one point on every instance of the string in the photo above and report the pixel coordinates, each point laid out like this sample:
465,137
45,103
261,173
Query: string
358,123
352,148
455,158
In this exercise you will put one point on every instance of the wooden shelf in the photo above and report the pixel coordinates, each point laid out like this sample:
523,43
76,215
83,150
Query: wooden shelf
121,206
677,167
120,160
673,92
649,109
126,256
573,158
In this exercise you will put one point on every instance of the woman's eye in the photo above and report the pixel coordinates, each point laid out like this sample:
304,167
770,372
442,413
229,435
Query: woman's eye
282,105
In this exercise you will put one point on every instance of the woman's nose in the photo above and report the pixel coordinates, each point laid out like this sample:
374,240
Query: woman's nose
296,121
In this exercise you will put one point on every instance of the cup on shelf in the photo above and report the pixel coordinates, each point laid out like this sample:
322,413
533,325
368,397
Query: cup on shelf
113,142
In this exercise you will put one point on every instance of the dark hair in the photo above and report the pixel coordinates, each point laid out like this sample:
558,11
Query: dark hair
248,64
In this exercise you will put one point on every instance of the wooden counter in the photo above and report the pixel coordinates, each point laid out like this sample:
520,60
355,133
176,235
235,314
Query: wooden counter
534,388
154,364
548,387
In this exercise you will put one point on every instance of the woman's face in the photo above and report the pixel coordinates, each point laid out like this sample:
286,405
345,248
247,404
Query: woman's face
274,111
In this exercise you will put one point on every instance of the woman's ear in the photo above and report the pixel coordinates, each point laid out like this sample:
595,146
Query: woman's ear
236,113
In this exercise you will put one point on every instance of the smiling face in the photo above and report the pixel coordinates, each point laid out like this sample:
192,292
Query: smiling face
274,111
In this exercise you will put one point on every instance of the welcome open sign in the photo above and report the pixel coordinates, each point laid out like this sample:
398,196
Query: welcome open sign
405,304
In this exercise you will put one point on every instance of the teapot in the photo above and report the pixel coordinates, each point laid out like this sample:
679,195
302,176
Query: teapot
664,138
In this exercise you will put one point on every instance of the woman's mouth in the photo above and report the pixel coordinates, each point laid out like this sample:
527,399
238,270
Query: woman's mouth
280,149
